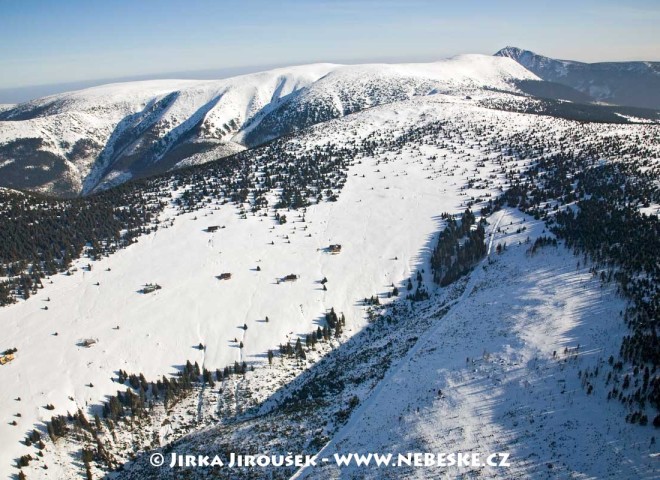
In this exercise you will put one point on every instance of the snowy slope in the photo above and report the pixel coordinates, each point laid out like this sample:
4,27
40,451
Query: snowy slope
385,218
159,331
501,373
77,141
128,127
353,88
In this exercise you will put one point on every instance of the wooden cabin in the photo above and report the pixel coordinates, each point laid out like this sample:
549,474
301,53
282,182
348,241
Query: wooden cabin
88,342
5,359
150,287
336,248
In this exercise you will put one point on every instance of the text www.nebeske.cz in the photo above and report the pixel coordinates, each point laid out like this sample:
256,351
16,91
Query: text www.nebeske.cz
457,459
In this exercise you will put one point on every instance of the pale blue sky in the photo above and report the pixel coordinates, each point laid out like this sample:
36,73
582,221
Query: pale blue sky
51,42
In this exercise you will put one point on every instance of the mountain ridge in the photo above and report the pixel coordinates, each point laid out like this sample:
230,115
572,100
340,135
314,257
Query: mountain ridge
79,142
634,83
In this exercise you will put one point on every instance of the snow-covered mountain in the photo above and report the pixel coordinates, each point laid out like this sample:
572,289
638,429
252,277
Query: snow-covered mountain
78,142
417,258
350,89
635,84
500,360
71,143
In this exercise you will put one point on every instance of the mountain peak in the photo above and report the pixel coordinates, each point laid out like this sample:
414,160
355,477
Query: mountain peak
522,56
511,52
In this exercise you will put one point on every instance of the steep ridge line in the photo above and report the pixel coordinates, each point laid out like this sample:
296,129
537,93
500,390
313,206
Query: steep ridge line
348,428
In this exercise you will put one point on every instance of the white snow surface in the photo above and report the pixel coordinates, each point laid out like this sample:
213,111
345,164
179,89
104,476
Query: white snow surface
517,310
499,373
222,109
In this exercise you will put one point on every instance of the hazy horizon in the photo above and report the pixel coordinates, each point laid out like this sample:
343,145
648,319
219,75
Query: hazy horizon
28,92
53,47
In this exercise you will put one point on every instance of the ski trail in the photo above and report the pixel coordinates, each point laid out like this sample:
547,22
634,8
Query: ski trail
355,419
492,233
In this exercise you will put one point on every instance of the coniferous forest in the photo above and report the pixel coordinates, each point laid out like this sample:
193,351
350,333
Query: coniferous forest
41,236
